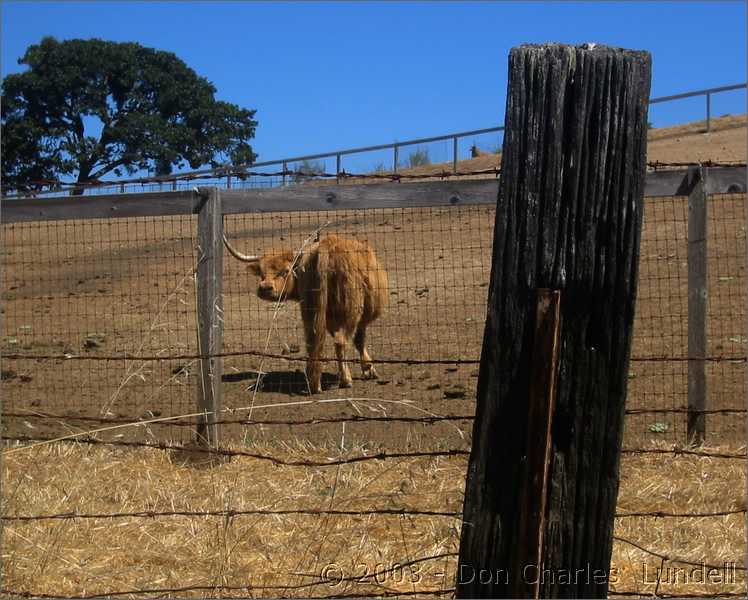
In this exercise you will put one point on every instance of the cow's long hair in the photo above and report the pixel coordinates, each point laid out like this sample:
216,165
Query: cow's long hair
341,288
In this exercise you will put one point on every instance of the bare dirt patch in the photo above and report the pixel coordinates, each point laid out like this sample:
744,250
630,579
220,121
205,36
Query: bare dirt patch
125,287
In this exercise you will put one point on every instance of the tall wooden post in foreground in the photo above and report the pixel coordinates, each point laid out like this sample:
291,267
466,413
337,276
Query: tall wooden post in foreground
209,313
568,218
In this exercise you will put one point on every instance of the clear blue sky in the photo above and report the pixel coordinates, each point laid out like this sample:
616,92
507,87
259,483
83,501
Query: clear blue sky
330,75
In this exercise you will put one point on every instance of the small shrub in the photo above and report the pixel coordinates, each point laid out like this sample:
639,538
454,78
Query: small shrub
307,169
419,158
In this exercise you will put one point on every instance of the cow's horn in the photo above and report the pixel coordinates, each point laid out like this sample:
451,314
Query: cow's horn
239,255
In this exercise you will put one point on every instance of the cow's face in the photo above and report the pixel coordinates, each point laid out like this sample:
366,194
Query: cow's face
277,282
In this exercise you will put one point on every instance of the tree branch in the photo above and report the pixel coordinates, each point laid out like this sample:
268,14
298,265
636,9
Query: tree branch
108,167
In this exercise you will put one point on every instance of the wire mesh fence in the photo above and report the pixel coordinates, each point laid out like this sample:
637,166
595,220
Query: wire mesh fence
110,288
661,328
114,286
382,462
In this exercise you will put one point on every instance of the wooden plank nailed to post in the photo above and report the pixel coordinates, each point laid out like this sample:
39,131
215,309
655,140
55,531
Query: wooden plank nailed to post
209,313
541,404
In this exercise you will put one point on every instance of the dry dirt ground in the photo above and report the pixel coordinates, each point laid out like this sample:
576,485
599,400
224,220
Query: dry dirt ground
103,288
108,287
726,141
130,291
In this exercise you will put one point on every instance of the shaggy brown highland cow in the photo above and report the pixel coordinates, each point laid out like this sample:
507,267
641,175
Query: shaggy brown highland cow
341,288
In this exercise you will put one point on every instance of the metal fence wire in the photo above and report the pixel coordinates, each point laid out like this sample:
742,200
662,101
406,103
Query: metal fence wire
121,286
109,288
661,327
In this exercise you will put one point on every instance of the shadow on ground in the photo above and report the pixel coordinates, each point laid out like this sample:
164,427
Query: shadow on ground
292,383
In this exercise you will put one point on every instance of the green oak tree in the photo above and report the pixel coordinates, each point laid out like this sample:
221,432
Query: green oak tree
85,108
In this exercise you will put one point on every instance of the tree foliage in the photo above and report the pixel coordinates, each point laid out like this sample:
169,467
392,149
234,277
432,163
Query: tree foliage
84,108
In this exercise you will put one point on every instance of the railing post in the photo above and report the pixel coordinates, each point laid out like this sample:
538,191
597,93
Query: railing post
454,154
697,305
337,168
209,314
708,111
285,168
394,163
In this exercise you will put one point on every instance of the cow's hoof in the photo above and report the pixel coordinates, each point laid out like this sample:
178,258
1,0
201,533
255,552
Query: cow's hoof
346,383
371,374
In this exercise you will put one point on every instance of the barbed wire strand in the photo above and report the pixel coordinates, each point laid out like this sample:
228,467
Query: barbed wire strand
656,164
689,411
665,595
682,451
353,401
255,353
672,559
324,420
259,354
231,513
62,186
231,453
246,422
381,572
75,439
658,514
399,512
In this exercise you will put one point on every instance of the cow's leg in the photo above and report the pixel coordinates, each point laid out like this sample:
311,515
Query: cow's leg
314,343
359,340
341,341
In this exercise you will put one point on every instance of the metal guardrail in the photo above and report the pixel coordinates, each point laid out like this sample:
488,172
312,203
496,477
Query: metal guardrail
395,146
708,93
455,137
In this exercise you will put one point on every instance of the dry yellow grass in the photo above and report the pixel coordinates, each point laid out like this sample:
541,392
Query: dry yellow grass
238,555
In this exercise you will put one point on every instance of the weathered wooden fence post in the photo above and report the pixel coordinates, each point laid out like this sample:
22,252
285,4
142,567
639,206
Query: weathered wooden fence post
568,218
697,299
209,313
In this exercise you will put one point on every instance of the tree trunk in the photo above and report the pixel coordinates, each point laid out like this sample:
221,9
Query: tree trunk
83,175
568,218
